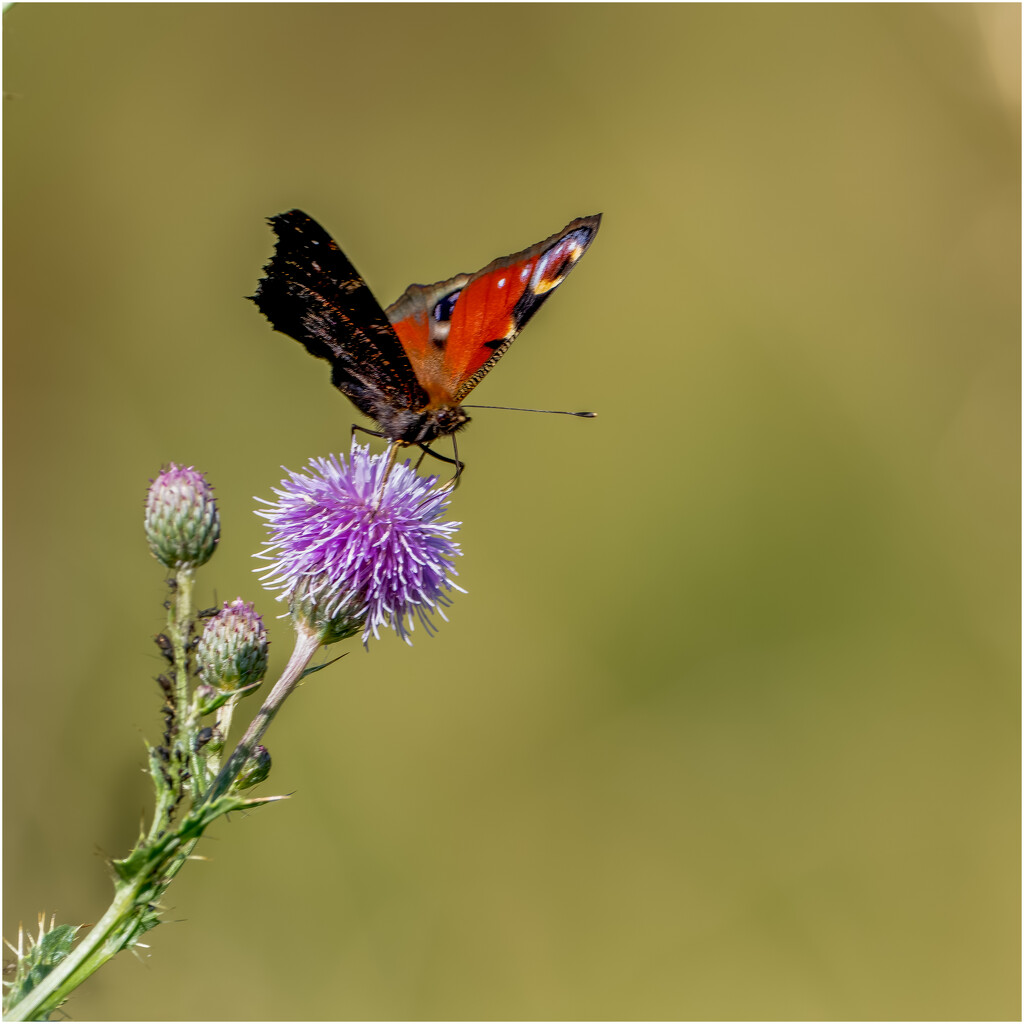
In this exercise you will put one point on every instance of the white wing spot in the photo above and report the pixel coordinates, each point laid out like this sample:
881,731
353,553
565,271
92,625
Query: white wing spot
542,265
501,283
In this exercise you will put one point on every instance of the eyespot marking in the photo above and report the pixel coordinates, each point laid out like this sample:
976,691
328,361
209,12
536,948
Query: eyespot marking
559,260
442,311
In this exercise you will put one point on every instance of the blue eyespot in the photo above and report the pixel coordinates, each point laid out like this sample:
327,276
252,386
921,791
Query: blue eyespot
443,310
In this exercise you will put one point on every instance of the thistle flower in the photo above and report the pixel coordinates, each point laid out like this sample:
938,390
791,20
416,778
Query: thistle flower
182,523
232,652
349,556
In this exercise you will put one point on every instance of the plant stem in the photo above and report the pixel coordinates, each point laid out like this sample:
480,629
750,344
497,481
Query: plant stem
306,645
87,957
148,870
119,926
179,624
222,722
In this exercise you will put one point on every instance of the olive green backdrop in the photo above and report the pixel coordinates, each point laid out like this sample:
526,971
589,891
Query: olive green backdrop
727,724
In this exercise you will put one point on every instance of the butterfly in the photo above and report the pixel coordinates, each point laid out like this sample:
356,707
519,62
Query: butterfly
408,367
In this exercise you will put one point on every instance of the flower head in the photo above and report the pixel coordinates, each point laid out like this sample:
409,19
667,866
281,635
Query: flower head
182,523
351,555
232,652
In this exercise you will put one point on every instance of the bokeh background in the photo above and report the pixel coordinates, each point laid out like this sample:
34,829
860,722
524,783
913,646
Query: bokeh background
727,724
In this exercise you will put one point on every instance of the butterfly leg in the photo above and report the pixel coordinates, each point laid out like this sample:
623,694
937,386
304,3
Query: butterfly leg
459,466
365,430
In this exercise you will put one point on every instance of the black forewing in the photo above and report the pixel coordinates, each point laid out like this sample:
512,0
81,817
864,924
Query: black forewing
314,294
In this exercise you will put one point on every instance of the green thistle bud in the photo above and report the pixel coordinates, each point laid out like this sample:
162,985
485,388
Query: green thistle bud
255,769
232,652
182,523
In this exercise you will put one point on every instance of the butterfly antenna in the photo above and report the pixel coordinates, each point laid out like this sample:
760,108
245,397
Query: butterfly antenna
553,412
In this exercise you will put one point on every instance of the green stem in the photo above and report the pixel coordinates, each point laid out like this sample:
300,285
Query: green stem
148,870
179,623
223,725
91,953
122,923
166,801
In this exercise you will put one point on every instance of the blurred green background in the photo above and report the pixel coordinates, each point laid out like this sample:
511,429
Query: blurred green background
727,725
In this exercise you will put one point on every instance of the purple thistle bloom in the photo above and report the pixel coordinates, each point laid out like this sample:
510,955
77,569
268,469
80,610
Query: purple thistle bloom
348,557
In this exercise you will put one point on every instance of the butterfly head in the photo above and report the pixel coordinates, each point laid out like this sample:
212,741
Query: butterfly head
447,420
421,427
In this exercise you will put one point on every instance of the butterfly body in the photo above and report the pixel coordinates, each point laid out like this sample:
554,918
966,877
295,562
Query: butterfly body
408,367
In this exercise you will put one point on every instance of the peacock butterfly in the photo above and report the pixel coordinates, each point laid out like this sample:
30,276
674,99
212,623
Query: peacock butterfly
409,366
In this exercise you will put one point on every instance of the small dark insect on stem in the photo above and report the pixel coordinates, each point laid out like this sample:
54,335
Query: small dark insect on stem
165,645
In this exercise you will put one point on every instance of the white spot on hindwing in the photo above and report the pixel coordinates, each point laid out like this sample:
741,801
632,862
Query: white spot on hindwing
501,283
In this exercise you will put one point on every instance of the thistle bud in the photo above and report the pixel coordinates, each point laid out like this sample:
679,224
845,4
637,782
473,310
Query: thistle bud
329,626
182,523
232,652
255,769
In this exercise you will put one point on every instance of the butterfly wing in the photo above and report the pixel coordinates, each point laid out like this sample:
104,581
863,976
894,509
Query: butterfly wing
314,294
454,331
